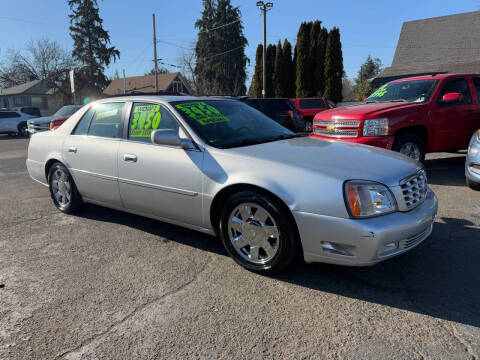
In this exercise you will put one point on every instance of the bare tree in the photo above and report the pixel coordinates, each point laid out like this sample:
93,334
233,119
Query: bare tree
187,61
43,60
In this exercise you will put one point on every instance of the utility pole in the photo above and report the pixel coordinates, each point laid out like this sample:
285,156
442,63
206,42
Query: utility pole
124,83
264,8
155,53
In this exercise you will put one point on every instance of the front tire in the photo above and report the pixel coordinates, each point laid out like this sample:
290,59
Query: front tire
410,145
258,233
64,193
23,130
473,184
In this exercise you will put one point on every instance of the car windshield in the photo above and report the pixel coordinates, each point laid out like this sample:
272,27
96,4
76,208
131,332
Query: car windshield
414,91
66,110
229,123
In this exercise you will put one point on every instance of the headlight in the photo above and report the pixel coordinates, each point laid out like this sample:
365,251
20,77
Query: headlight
478,135
375,127
368,198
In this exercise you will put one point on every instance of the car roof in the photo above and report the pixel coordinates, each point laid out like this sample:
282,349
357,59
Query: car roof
435,77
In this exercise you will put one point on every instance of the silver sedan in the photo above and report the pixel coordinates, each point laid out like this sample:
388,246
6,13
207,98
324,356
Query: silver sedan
472,163
223,168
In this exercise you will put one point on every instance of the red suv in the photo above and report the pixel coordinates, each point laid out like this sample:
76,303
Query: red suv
309,107
413,115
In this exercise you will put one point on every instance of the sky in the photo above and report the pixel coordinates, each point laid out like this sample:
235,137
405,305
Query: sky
366,27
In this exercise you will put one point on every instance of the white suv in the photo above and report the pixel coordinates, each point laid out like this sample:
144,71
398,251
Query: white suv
13,122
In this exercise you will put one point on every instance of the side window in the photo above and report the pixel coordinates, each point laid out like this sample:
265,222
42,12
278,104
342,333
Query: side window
82,125
145,118
458,85
106,121
476,81
9,114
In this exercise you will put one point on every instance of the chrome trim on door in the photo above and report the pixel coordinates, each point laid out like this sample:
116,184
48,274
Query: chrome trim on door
158,187
89,173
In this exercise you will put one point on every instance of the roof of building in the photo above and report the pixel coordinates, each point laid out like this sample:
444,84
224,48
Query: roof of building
441,44
141,84
35,87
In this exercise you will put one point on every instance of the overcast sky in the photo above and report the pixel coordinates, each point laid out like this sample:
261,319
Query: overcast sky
367,27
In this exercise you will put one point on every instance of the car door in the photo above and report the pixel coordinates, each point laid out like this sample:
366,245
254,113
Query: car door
159,180
91,153
9,121
450,121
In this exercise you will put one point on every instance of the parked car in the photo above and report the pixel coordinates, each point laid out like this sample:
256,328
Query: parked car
43,123
221,167
30,110
309,107
280,110
57,122
472,164
13,122
413,116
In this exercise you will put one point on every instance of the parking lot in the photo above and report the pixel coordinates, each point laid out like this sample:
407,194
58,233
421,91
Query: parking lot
104,284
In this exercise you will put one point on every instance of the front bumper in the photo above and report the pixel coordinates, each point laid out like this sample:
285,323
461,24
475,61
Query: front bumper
33,128
472,163
364,239
385,142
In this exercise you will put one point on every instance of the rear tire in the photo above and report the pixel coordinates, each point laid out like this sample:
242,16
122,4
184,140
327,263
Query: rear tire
258,233
64,193
22,129
410,145
473,184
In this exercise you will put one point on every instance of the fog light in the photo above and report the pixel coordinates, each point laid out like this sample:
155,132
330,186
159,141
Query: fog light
388,248
338,249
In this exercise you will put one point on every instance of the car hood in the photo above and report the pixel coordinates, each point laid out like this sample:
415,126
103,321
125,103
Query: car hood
327,158
364,111
42,120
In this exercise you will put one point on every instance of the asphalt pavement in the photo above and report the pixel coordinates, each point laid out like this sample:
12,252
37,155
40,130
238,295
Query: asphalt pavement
102,284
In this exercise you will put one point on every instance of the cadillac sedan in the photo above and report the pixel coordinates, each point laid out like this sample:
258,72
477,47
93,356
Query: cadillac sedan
223,168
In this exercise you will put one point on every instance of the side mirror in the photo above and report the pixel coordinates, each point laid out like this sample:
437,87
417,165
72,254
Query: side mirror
169,137
364,99
452,98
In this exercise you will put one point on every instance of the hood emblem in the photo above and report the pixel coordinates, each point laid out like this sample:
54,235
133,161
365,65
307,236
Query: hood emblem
330,127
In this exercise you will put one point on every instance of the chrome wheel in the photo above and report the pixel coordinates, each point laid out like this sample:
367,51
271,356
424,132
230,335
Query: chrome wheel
61,187
411,149
253,233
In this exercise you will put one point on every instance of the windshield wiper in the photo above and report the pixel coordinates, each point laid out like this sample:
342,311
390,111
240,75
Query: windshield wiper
371,101
399,100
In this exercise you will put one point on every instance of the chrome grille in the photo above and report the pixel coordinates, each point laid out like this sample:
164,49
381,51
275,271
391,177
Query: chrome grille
336,132
338,124
414,190
33,128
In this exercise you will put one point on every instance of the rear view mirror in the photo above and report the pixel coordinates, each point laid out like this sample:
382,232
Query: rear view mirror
452,98
169,137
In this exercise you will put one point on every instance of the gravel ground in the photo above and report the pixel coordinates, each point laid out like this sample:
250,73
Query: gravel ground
107,285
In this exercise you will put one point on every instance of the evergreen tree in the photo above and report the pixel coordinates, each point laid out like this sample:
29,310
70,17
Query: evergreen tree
313,61
270,69
91,44
303,71
289,68
220,50
369,69
257,79
333,66
319,72
279,72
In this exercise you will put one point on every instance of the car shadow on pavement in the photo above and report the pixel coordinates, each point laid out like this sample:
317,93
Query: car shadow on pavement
446,170
440,278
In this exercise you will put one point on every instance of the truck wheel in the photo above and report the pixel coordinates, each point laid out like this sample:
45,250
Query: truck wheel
308,125
258,233
473,184
410,145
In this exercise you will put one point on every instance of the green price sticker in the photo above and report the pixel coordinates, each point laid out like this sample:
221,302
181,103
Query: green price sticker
381,91
146,118
203,113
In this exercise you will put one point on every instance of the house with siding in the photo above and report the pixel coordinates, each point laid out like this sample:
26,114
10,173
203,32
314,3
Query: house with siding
445,44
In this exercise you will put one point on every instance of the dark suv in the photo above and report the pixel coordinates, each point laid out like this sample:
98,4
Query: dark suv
280,110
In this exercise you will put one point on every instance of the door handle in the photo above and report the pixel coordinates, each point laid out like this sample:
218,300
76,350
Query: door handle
130,158
72,149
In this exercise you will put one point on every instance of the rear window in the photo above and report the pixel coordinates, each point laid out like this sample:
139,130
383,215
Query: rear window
312,104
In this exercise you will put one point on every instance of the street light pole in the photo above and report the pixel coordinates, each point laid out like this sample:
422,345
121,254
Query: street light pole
264,8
